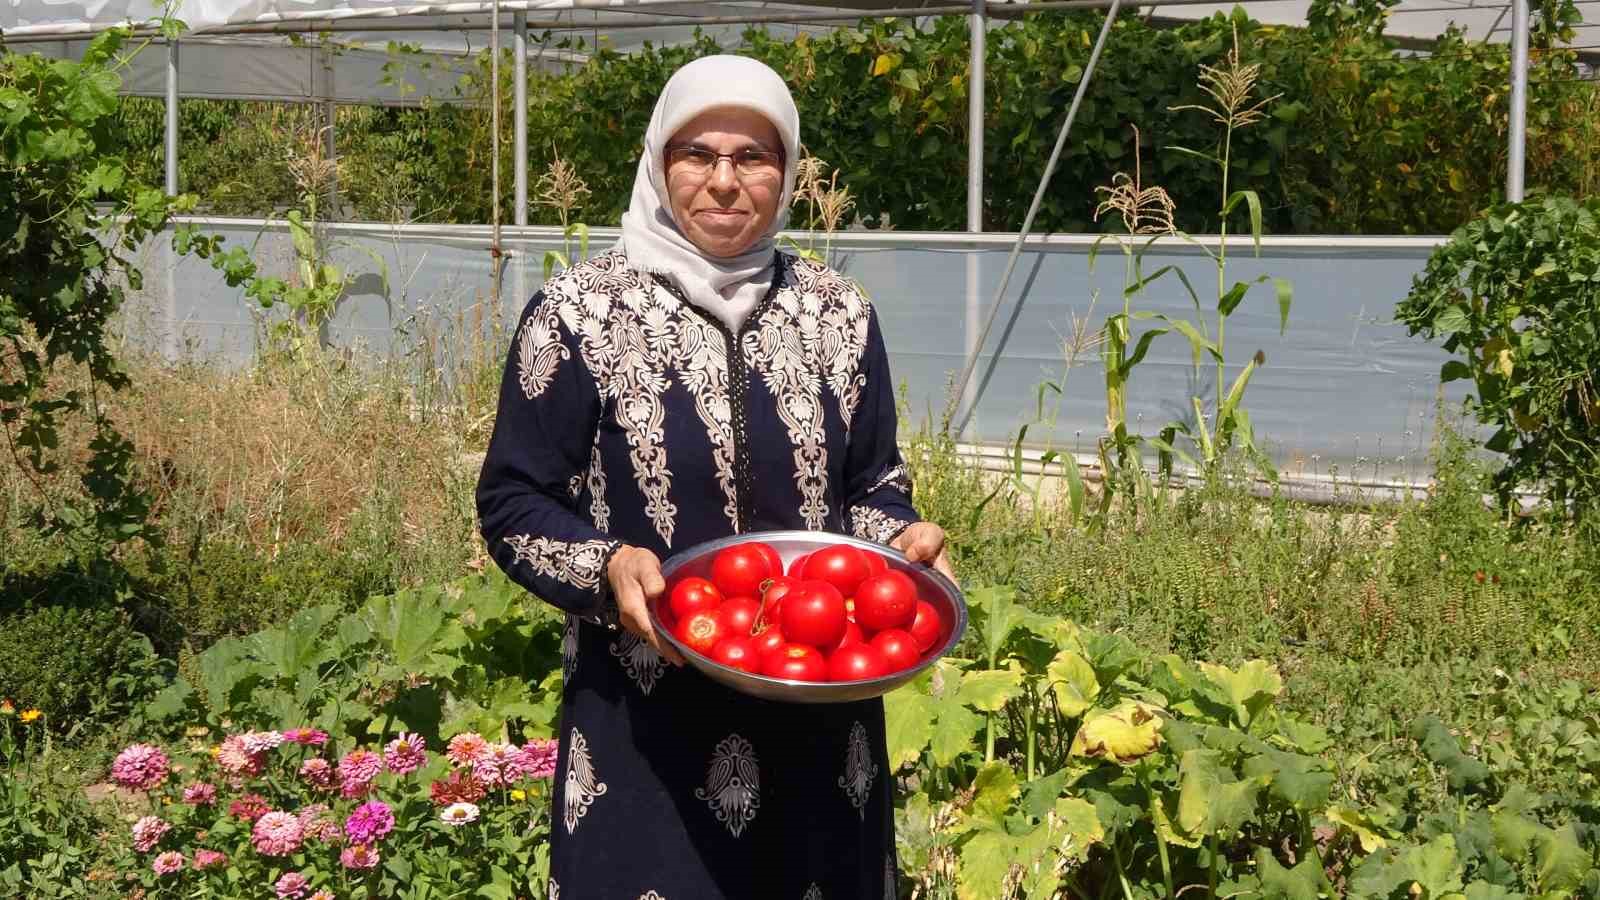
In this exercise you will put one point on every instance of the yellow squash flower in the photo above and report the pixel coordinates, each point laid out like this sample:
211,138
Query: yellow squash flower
519,794
29,715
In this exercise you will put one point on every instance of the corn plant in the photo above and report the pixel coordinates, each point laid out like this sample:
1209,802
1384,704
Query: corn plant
561,188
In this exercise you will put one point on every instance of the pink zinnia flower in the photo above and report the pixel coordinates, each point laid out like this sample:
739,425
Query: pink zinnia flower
207,859
405,754
277,834
496,765
259,742
318,773
148,832
370,822
167,863
291,886
317,825
236,758
249,808
140,767
360,856
465,748
200,794
357,770
458,788
310,737
459,814
538,759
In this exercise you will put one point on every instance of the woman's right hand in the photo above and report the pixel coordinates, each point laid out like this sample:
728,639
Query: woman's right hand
635,576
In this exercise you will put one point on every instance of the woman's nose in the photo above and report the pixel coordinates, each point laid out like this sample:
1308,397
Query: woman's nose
723,175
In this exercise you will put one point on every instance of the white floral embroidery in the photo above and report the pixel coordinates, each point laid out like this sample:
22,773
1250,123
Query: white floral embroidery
539,351
874,524
651,895
640,660
859,769
599,511
569,648
582,785
815,328
733,783
813,893
577,563
897,477
555,890
702,356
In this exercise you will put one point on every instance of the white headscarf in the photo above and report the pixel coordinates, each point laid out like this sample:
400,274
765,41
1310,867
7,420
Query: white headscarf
727,287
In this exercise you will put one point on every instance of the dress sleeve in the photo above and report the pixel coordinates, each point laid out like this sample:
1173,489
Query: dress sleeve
533,472
877,483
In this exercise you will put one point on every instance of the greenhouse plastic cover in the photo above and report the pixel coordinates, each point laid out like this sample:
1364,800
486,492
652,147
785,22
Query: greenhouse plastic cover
1342,386
272,67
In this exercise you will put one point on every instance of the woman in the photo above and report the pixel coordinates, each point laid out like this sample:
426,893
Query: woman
689,384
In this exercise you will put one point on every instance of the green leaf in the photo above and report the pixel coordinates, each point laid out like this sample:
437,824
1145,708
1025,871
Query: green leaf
1298,781
1211,799
991,689
409,625
1230,301
1451,320
1285,292
1561,861
1039,796
1081,820
954,733
1365,831
993,790
1250,689
1462,771
1303,882
1254,202
908,715
1454,370
1123,735
1073,681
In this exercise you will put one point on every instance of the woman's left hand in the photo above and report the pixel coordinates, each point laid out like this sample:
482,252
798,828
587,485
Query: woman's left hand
924,542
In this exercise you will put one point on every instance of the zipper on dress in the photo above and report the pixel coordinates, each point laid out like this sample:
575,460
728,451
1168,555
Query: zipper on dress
738,386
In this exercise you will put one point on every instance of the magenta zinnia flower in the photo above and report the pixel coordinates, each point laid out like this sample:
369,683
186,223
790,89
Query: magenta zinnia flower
249,808
207,859
140,767
310,737
148,832
465,748
406,754
200,794
360,856
277,834
492,765
167,863
319,773
370,822
538,759
357,770
291,886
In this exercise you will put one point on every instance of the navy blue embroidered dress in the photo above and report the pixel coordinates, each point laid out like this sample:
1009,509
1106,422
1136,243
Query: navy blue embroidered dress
627,416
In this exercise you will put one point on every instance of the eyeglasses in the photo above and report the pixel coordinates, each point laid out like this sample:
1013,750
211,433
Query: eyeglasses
749,163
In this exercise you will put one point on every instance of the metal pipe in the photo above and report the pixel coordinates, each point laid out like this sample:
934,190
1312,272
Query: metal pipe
171,138
1033,210
330,116
978,53
494,155
312,26
519,117
1518,132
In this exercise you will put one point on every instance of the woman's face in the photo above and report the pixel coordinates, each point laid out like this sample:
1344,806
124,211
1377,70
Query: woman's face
727,206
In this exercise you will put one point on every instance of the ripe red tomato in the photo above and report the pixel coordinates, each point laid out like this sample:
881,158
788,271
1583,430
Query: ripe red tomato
701,632
738,571
738,652
853,636
898,649
738,615
772,597
876,564
926,628
796,662
840,565
774,561
813,614
886,601
769,640
799,564
856,663
693,595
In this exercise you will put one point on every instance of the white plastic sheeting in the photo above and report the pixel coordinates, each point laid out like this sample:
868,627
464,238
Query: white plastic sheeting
1343,387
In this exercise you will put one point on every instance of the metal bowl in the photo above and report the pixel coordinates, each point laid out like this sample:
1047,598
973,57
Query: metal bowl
932,586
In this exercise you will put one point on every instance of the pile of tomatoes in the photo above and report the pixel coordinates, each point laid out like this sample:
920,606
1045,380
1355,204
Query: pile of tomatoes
837,614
